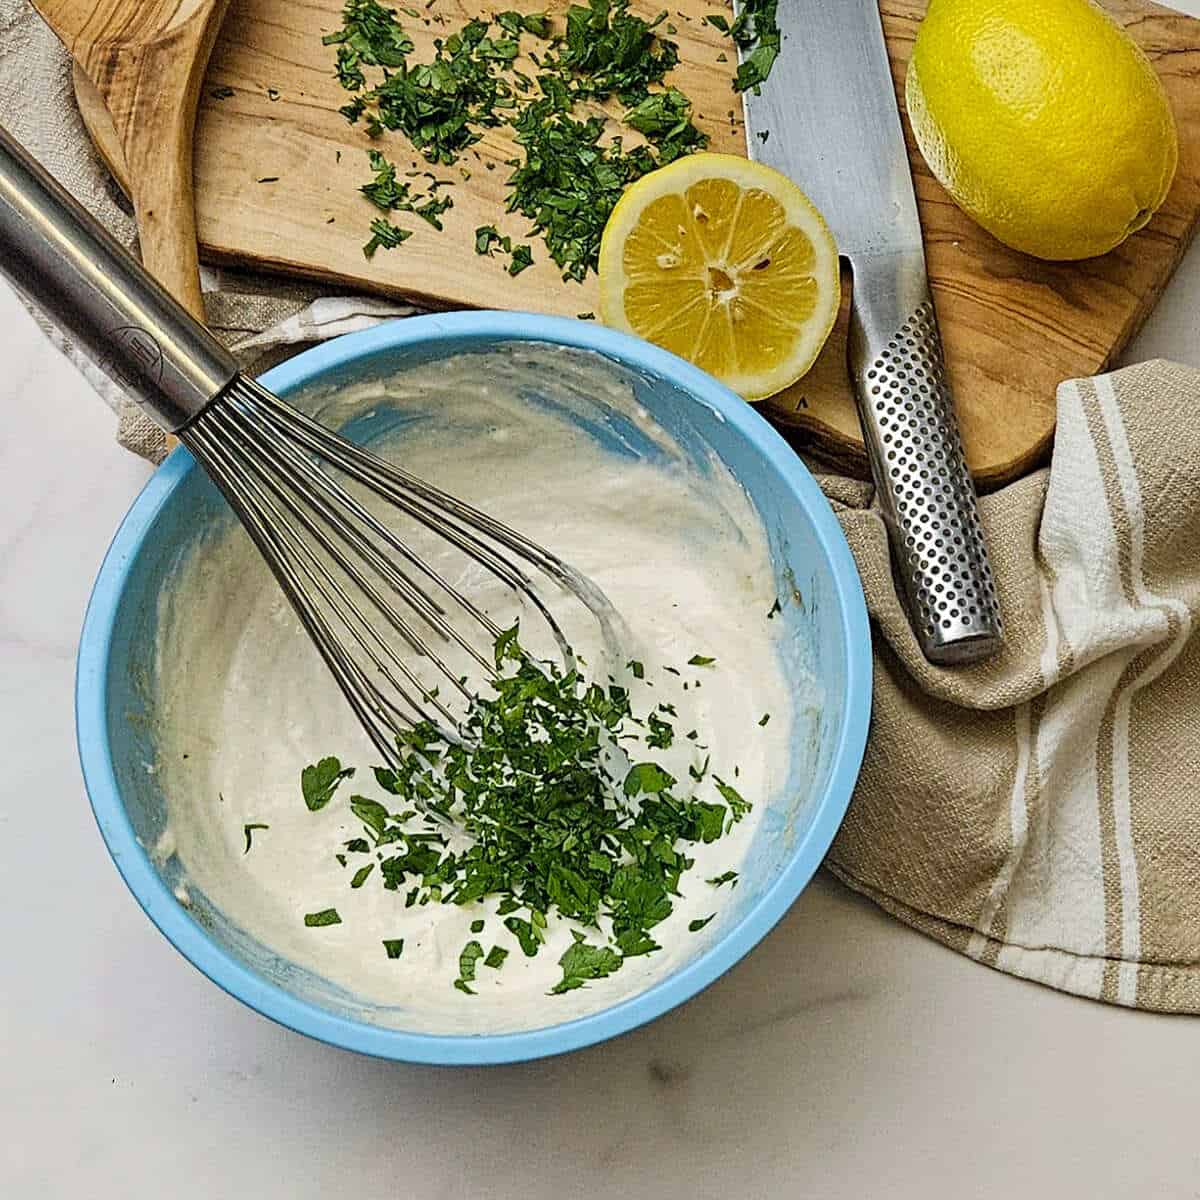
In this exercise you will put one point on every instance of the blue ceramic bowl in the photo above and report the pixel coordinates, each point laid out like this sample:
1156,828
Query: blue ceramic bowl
828,631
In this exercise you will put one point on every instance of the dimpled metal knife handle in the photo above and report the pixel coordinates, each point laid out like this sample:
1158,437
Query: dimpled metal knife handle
925,490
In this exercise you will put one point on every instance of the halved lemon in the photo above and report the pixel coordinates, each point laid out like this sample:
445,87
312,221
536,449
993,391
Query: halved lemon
726,263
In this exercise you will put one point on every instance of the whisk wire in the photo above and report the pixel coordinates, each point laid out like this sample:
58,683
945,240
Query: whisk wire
373,472
325,495
434,509
335,594
406,488
336,505
332,555
360,693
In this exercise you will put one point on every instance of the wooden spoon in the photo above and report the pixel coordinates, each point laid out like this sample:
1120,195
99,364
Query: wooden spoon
146,61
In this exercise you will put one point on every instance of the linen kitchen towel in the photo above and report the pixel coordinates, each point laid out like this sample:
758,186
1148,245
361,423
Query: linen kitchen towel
1041,812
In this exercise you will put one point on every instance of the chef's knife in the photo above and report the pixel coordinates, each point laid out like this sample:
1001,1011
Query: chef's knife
826,117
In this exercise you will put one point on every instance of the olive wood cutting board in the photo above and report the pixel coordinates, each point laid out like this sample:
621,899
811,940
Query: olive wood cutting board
277,171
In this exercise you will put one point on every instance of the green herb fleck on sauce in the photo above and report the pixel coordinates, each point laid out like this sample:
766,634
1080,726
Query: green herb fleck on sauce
582,962
472,952
738,807
370,812
248,830
319,782
327,916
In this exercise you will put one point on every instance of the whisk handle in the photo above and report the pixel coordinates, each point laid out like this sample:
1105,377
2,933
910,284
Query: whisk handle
63,259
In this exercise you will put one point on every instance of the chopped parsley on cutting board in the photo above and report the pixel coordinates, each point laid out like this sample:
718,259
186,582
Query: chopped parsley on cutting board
571,168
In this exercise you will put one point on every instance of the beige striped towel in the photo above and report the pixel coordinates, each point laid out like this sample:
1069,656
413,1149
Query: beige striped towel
1039,813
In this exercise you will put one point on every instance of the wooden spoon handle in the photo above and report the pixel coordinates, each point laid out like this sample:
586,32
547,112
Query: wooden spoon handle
168,237
164,204
159,162
152,93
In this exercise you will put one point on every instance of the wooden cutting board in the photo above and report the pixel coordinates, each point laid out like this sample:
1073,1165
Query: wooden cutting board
278,168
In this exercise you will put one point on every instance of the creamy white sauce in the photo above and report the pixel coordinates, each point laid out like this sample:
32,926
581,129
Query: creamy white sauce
246,702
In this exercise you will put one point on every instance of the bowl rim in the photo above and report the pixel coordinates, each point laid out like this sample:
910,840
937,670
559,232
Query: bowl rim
453,331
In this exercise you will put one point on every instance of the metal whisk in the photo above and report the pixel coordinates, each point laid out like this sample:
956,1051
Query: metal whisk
352,580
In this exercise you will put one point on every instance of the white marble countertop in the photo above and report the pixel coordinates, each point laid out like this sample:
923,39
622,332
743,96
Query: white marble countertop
847,1056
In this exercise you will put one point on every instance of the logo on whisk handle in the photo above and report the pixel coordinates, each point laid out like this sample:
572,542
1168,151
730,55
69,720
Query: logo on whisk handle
137,349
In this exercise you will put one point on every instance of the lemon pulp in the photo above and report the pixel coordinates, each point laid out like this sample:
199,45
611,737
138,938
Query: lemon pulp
726,263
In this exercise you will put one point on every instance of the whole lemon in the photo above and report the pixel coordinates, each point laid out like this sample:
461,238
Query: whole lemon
1044,121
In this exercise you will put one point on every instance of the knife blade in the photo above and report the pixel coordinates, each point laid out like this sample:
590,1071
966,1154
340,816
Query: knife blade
827,118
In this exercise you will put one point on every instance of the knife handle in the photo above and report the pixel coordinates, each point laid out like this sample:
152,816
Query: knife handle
923,485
